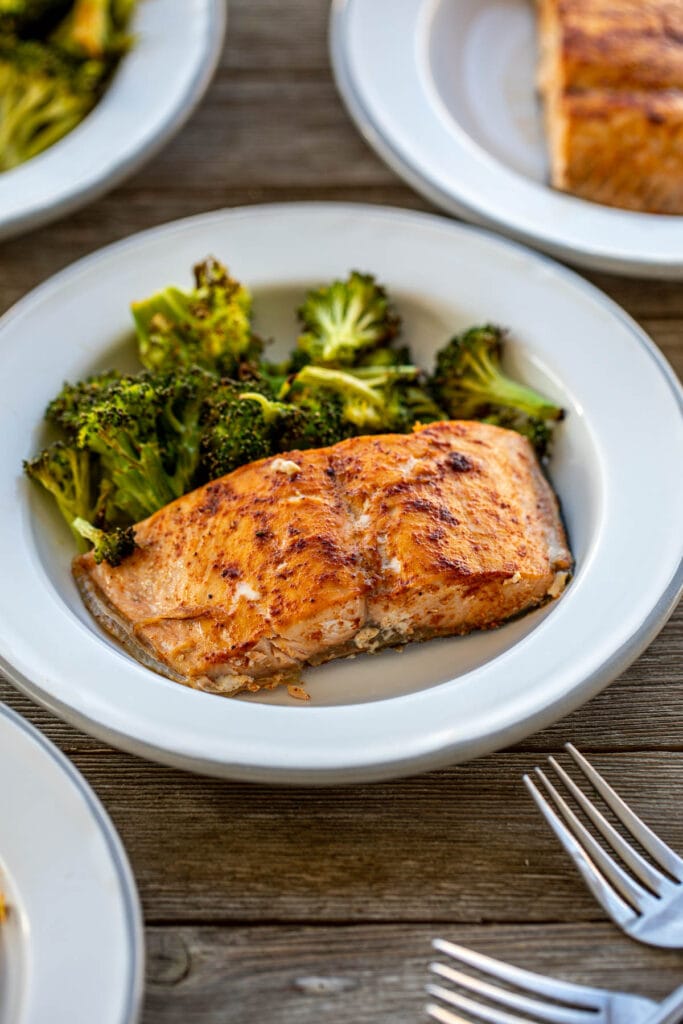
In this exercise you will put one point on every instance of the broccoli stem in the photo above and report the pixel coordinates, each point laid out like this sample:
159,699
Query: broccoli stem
110,547
495,387
271,410
356,382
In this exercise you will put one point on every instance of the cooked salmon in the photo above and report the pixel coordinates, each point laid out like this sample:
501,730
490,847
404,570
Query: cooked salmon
308,556
611,77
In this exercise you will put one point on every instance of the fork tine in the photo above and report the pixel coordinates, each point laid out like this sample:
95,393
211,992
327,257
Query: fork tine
553,1013
620,911
562,991
658,850
627,887
443,1015
479,1011
648,875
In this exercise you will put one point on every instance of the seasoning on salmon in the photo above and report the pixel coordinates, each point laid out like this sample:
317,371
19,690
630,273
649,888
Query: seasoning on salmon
297,559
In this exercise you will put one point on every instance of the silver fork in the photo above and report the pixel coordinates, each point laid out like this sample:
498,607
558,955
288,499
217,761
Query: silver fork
504,987
646,901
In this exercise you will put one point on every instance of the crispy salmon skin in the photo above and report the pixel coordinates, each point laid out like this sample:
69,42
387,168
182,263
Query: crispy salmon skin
304,557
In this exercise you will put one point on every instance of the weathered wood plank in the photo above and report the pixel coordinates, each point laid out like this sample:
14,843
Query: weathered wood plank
363,975
464,845
271,36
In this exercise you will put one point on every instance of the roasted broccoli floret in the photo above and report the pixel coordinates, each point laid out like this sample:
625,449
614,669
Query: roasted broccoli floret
371,397
418,405
386,356
95,28
111,546
145,429
239,427
31,16
344,320
43,95
469,380
67,474
539,432
209,326
66,409
316,421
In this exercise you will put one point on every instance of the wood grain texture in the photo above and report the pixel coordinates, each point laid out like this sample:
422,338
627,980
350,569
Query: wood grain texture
294,906
361,975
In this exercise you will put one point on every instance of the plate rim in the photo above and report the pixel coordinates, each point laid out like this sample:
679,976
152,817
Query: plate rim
130,900
377,766
37,210
417,175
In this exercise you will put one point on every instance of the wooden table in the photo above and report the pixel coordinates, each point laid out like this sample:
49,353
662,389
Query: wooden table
304,906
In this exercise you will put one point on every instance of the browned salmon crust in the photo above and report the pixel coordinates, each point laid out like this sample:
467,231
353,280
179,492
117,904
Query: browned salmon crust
611,76
313,555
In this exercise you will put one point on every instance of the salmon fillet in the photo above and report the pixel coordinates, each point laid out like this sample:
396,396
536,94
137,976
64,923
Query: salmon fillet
300,558
611,77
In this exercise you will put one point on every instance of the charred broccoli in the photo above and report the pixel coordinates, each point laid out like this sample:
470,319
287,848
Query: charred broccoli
316,421
68,406
470,383
145,430
239,427
71,476
372,398
539,432
112,546
66,474
209,326
95,28
35,16
344,320
43,95
469,380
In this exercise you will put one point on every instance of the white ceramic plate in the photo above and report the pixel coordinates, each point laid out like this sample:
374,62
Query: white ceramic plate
444,91
155,89
71,948
615,467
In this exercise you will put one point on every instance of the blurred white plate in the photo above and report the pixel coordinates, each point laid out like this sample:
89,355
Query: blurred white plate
71,947
444,91
615,468
155,89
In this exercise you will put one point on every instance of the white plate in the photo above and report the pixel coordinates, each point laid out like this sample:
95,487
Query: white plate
444,92
155,89
615,467
71,949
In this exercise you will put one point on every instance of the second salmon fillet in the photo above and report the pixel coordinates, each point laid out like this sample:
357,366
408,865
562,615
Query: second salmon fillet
300,558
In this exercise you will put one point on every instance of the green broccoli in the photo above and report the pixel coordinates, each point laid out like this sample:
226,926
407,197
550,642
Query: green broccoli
95,28
539,432
372,398
418,404
469,380
239,427
316,421
209,326
112,546
66,409
344,320
35,17
146,431
70,476
43,95
386,356
67,474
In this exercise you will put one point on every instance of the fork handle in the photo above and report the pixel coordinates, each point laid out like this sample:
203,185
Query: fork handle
670,1011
